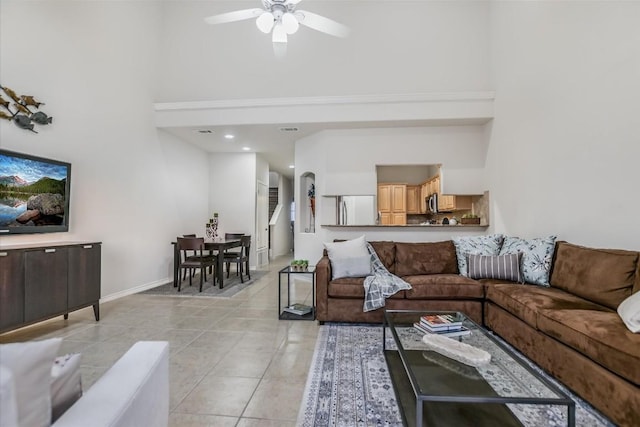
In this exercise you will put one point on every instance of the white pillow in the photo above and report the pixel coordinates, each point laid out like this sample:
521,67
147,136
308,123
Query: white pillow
66,386
629,312
8,405
30,364
351,267
337,251
348,249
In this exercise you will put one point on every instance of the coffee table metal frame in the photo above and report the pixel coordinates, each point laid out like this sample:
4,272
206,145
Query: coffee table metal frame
420,399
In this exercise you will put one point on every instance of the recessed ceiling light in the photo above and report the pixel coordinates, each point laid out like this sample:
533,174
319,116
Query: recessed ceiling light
292,167
246,148
229,136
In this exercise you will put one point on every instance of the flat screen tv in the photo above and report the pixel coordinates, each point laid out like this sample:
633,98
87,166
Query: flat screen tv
34,194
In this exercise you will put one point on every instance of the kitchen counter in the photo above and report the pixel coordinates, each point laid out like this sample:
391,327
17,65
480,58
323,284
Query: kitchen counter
435,226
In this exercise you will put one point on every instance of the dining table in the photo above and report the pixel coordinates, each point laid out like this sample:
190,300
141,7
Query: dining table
217,245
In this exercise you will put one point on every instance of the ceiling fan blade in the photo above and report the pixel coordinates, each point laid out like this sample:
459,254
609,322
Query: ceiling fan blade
320,23
238,15
292,1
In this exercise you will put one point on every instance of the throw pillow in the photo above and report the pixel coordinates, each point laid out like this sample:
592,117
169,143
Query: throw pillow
338,251
66,386
8,405
475,245
501,267
537,255
30,364
351,267
629,312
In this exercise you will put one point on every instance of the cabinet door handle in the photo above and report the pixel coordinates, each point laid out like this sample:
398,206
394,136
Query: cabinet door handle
49,251
87,246
4,253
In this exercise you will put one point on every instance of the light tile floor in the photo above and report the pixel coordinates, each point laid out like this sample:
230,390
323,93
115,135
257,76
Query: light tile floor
232,362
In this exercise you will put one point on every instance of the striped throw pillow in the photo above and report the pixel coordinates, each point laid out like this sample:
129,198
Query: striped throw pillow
502,267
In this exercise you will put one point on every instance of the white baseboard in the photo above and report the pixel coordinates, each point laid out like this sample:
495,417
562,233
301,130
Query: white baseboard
135,290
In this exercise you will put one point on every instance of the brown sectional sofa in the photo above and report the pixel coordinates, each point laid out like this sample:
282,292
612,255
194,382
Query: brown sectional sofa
571,329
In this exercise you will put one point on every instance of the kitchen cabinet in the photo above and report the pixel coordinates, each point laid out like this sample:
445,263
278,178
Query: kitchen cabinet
392,204
449,203
40,282
11,289
414,193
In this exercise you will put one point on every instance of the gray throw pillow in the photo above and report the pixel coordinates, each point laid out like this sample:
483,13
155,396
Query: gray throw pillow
351,267
502,267
475,245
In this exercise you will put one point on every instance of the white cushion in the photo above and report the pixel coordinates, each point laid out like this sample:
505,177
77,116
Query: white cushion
351,267
629,312
338,251
66,386
8,404
30,364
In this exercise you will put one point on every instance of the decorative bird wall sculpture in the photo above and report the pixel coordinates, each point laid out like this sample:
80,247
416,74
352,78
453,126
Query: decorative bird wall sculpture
22,111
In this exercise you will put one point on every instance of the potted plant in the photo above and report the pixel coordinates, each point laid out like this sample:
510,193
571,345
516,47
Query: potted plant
470,218
312,198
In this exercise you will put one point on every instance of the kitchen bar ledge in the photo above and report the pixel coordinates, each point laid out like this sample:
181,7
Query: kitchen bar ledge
435,226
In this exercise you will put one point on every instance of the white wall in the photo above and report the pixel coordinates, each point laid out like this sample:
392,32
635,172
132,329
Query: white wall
94,65
565,142
344,162
282,236
395,47
232,193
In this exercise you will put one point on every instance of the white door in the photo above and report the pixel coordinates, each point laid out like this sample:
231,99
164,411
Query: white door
262,223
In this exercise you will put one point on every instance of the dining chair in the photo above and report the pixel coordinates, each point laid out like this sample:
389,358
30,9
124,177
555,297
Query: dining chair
199,260
241,258
184,273
232,253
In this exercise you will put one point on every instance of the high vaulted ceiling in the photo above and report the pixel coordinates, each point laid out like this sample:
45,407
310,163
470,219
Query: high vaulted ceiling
395,47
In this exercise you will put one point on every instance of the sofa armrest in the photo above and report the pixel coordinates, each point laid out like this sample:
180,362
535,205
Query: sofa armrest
323,276
133,392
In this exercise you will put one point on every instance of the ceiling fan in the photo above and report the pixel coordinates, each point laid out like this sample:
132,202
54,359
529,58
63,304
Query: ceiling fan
280,18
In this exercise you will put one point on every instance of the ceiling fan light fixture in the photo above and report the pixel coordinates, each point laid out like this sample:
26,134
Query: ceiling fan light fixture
279,34
265,22
290,23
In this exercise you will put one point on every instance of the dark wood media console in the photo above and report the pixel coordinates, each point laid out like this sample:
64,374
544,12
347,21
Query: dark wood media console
38,282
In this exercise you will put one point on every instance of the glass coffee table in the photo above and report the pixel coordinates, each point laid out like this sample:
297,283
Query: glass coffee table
434,390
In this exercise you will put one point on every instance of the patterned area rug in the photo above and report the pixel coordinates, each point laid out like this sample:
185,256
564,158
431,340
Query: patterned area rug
349,385
232,286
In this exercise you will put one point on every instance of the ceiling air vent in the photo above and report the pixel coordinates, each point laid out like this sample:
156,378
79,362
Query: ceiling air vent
289,129
203,131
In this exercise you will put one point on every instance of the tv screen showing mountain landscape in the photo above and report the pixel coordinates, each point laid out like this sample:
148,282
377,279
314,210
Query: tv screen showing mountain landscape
34,193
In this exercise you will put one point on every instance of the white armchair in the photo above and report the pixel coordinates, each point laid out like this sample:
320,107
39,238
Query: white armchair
133,392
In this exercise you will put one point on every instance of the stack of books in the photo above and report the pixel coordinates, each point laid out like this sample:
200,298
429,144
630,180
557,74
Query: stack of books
299,309
447,325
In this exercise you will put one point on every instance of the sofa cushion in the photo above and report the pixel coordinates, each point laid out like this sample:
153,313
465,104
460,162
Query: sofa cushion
605,276
502,267
525,301
475,245
8,404
599,335
386,252
338,251
426,258
352,287
30,364
351,267
537,255
629,312
443,286
66,385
